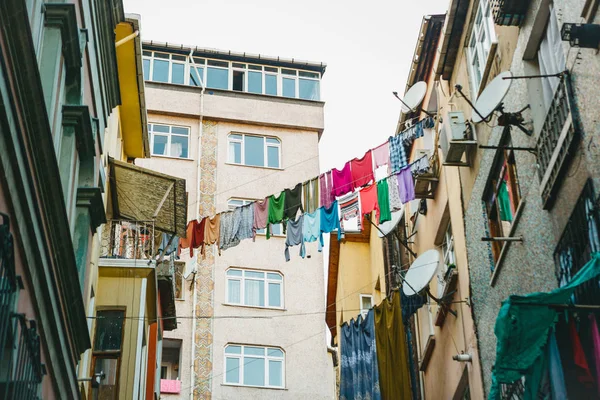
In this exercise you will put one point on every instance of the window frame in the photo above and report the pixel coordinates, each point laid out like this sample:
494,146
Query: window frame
266,146
242,280
481,42
240,357
169,135
109,354
279,227
365,311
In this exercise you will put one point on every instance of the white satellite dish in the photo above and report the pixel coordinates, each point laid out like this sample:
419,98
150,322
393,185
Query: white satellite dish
413,97
421,272
491,97
388,226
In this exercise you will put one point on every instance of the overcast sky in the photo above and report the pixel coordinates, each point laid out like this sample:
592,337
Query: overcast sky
367,46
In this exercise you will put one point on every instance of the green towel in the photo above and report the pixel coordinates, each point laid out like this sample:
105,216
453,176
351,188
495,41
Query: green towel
504,203
383,198
276,211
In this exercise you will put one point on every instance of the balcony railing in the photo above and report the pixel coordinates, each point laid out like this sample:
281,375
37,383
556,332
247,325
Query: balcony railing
8,282
426,182
557,137
131,240
509,12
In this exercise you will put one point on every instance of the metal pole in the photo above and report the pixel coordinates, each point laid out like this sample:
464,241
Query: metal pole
481,146
395,234
502,239
459,88
557,75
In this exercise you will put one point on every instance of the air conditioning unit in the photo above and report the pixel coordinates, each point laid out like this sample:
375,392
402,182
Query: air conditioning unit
457,139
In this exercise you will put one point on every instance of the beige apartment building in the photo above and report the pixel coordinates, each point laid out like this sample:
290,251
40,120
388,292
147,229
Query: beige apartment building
250,324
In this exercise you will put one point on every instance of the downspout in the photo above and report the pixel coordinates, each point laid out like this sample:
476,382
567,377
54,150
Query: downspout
199,155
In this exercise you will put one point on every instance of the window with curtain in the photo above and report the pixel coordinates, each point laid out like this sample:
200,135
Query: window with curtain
254,288
254,366
253,150
169,140
480,42
551,58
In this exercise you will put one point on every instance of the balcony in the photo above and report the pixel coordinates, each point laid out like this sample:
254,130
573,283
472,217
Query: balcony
130,240
509,12
426,182
556,142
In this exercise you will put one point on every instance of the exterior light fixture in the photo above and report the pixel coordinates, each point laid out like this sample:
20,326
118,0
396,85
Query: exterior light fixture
581,35
463,357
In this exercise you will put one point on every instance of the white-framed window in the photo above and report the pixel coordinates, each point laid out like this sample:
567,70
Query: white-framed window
448,246
254,150
366,303
551,57
276,229
256,366
169,140
480,42
179,281
167,67
254,288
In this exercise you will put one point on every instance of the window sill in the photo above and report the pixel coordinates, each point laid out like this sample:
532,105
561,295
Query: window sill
252,166
255,307
171,157
506,245
253,387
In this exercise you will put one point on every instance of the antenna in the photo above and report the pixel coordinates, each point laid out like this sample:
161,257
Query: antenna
420,273
413,98
491,100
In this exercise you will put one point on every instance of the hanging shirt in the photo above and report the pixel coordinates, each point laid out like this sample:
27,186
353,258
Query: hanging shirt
311,231
584,376
398,158
211,232
236,226
420,166
555,369
349,207
261,215
294,236
395,203
368,200
185,242
383,200
381,155
227,230
326,189
276,211
362,170
406,186
330,220
293,202
342,180
310,195
245,229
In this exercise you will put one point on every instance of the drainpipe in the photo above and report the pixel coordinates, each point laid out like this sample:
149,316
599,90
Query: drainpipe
127,38
199,155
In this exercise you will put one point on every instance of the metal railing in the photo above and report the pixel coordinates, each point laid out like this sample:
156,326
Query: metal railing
132,240
556,137
8,282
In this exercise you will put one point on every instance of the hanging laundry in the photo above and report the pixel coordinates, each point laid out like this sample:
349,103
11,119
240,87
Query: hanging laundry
359,375
236,226
504,202
293,202
368,200
311,231
428,123
326,189
362,170
330,220
211,232
420,166
410,305
406,185
349,207
245,229
381,155
383,200
596,345
395,203
261,216
398,158
165,247
276,211
226,230
310,195
555,369
294,236
392,351
184,243
584,376
342,180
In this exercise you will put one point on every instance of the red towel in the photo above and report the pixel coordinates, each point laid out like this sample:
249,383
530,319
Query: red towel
584,375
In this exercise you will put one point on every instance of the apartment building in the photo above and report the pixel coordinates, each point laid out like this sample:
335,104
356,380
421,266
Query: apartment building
239,127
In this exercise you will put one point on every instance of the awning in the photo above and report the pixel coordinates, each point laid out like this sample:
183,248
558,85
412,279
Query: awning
140,194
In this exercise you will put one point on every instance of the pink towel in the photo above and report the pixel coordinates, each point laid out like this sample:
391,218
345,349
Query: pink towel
261,214
342,180
381,155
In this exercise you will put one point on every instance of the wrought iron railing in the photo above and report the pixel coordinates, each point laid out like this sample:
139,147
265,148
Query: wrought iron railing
512,391
577,243
25,369
509,12
556,138
128,240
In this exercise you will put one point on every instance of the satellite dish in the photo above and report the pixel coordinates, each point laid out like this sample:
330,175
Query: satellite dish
492,96
421,272
413,97
389,226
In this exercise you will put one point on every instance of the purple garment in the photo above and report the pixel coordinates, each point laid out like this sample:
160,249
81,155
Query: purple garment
406,185
342,180
261,215
596,341
325,189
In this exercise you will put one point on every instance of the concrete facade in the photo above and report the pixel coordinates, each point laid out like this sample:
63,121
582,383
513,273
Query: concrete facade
297,328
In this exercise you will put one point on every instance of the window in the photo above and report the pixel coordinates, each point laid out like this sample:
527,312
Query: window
366,303
480,42
171,353
164,67
168,140
254,288
108,338
276,229
551,58
217,75
448,256
502,195
179,281
308,85
254,366
257,151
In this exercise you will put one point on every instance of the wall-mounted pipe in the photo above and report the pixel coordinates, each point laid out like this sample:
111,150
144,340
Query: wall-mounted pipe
127,38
